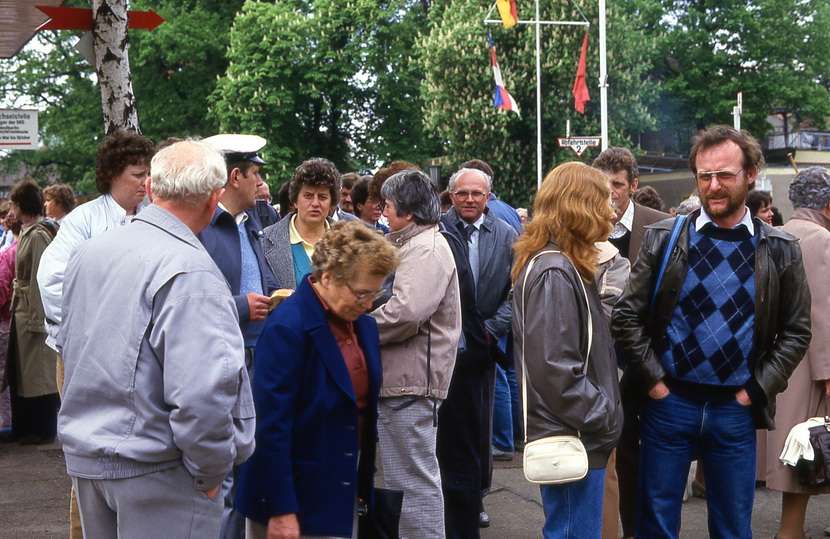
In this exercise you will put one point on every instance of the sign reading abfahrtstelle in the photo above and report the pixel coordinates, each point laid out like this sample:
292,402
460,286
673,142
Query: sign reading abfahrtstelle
579,144
18,129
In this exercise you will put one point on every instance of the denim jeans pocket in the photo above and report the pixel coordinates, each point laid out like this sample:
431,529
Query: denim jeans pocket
741,405
663,398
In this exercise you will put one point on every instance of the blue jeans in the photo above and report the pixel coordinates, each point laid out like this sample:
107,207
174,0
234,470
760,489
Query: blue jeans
673,432
574,510
507,415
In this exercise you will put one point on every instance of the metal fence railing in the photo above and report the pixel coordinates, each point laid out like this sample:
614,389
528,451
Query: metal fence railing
800,140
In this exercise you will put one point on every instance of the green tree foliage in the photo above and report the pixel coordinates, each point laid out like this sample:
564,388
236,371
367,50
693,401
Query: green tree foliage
289,80
776,51
326,78
174,68
393,126
53,77
459,87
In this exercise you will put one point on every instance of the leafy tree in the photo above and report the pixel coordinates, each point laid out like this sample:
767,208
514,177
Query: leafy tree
326,78
174,68
289,79
776,51
55,78
393,126
458,89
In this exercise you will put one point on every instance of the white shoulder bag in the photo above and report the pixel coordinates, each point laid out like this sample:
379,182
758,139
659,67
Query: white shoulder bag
555,459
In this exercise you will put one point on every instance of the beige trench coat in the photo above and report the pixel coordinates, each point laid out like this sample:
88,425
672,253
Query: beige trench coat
802,397
35,360
423,313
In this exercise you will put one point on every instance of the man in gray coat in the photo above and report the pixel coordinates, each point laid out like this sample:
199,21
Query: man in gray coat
157,404
489,243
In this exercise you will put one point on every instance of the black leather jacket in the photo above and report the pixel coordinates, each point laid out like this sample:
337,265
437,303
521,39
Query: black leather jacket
551,330
782,311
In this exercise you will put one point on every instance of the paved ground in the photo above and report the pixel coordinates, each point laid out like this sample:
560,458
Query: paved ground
515,509
34,497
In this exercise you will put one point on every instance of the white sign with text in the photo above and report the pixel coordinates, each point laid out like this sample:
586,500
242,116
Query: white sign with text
579,144
18,129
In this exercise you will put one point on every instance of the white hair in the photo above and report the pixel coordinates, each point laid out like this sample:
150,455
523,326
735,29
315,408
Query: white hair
487,179
187,171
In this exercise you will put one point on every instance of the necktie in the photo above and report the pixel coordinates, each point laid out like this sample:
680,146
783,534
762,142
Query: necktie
469,229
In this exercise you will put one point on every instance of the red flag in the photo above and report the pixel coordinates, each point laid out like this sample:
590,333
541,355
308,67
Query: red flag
581,95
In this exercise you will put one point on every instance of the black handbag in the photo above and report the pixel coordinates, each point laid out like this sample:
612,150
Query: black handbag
381,522
816,472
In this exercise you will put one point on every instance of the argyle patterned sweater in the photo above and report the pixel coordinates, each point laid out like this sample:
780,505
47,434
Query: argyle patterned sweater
708,348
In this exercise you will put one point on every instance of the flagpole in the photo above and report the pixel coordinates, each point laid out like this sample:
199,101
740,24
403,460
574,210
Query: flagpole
603,78
538,23
538,101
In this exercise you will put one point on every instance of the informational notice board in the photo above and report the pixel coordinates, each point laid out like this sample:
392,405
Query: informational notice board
18,129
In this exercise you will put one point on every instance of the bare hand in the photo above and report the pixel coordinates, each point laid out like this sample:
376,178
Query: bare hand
258,306
743,397
284,527
827,387
212,492
659,391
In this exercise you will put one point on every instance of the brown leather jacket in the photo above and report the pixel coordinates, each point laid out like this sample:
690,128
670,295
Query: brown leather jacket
782,310
551,330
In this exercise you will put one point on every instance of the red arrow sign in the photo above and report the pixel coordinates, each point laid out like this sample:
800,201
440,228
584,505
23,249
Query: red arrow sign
76,18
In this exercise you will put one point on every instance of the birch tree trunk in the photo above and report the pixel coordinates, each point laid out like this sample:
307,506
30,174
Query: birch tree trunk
109,40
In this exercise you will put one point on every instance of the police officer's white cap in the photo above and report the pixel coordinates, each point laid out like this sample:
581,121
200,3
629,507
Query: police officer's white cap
239,147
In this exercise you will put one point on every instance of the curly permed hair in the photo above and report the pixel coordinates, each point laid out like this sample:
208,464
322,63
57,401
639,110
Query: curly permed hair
349,246
315,172
118,151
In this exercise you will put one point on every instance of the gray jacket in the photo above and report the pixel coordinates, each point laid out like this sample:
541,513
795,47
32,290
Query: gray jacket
495,254
423,316
551,330
155,371
276,246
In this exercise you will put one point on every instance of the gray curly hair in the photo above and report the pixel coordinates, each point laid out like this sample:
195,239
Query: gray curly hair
811,189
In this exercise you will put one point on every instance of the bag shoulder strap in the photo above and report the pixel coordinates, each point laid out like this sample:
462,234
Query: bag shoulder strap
675,232
50,226
522,355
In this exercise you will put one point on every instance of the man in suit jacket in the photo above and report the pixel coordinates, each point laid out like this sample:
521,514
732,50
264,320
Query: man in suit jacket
489,246
629,223
631,218
344,211
232,240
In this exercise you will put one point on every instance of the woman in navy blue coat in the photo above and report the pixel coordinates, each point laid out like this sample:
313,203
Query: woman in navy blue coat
315,384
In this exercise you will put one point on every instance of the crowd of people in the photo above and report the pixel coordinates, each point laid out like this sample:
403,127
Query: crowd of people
214,367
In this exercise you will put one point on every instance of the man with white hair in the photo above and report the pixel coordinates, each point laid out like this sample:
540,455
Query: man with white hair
464,438
156,404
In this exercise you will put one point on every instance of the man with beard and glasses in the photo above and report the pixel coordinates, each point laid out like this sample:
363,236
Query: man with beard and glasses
714,319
